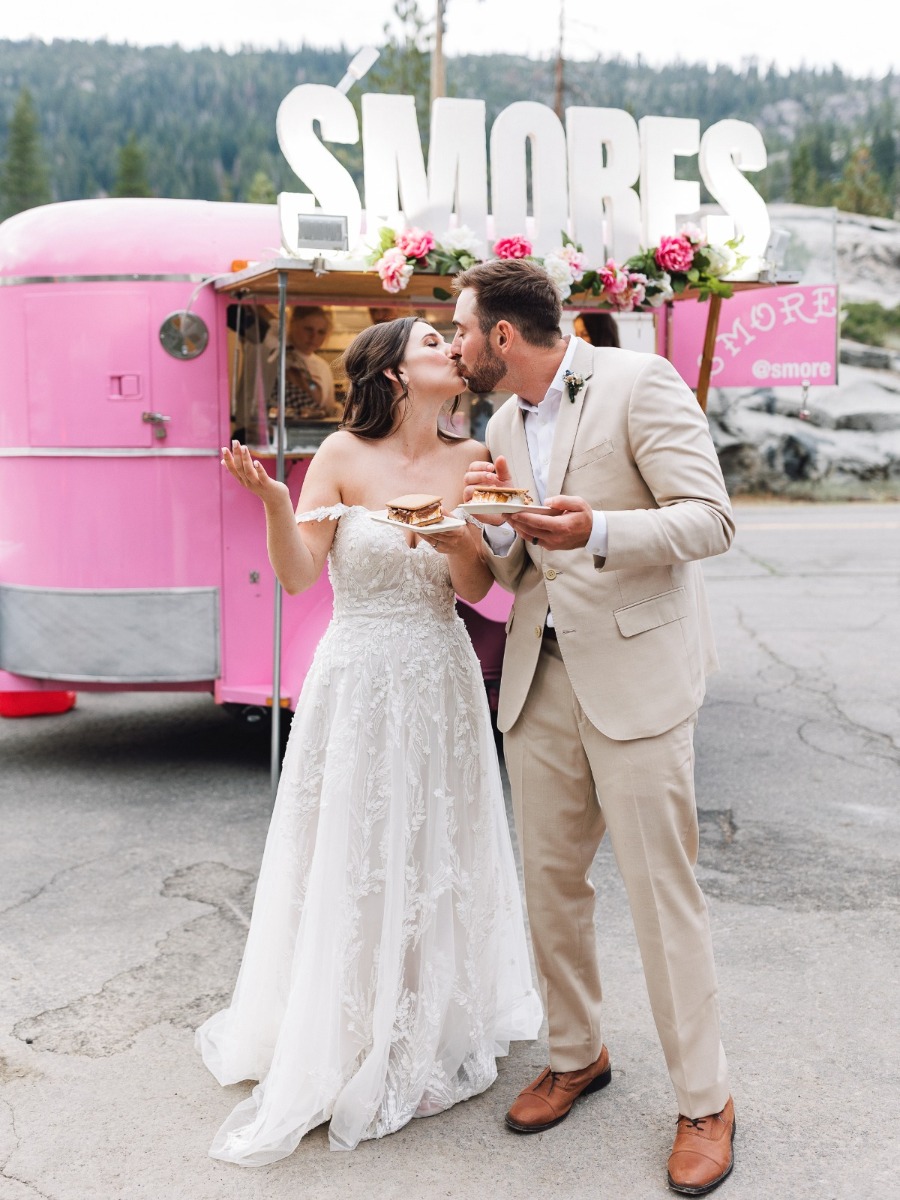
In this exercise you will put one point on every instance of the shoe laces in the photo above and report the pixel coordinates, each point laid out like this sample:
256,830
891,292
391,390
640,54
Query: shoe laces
694,1122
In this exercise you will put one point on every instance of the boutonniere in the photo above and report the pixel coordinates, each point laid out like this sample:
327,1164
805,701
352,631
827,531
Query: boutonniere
574,383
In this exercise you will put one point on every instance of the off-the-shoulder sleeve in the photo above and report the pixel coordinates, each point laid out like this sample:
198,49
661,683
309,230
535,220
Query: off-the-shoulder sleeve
329,512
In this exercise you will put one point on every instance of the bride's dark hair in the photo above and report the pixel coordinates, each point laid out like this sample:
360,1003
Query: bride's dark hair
371,405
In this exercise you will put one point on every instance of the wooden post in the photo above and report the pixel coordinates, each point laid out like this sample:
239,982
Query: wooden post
709,348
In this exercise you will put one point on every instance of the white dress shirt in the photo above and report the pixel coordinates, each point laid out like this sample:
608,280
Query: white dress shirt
540,427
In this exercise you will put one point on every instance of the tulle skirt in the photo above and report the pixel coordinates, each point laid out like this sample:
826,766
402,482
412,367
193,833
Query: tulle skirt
386,965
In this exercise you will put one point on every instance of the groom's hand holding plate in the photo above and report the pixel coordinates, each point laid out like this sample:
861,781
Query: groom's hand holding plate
567,528
487,475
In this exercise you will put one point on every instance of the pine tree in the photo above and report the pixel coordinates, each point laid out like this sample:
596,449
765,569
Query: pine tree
861,189
261,189
131,179
24,179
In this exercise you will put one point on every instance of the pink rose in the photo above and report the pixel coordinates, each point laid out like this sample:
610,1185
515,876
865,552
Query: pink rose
613,279
693,233
394,270
415,243
512,247
637,289
675,253
576,259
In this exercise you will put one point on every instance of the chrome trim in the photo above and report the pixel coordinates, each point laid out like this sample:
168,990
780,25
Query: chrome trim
103,452
106,591
20,280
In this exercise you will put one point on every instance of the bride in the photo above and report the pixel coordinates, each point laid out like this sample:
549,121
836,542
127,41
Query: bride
386,965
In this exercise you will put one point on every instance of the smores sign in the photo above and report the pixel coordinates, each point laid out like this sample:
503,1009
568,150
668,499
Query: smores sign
606,179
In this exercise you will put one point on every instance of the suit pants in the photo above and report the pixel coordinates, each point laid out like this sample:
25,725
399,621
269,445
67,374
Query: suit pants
570,784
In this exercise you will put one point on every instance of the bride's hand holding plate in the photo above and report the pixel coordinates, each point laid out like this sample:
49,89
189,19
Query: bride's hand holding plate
448,541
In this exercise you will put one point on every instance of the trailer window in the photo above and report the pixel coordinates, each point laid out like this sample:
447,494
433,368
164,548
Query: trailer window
315,387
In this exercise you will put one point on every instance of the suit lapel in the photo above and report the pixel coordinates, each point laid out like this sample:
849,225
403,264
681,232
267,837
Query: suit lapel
567,421
519,458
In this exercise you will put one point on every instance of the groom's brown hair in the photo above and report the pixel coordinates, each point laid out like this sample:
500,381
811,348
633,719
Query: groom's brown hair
511,289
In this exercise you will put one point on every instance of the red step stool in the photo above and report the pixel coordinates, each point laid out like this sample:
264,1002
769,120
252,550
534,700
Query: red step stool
36,704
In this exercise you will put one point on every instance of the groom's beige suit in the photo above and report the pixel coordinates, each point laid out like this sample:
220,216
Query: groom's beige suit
599,721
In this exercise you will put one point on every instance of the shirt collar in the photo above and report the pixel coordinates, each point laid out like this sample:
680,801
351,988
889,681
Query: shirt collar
555,390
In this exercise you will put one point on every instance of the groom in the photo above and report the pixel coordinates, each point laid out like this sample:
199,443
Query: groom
609,644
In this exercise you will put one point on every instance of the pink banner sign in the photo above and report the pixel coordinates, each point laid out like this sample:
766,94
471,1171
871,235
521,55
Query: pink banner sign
775,337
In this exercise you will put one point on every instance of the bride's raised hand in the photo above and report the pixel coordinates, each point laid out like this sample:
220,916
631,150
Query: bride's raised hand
250,473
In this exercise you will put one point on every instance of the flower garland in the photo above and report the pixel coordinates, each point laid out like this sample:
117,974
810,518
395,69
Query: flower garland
645,281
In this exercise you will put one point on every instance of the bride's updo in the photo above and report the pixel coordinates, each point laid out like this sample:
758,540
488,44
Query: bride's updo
371,407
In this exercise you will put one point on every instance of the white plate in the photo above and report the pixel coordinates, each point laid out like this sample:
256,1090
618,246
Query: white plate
437,527
496,508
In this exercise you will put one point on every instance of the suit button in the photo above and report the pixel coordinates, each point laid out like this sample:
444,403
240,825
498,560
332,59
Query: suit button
538,631
550,573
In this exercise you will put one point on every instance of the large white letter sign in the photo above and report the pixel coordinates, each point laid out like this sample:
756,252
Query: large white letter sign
727,149
330,182
663,197
604,207
457,166
509,195
393,166
395,183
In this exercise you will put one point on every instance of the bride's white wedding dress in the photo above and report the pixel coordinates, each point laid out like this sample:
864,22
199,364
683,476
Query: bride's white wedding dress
386,963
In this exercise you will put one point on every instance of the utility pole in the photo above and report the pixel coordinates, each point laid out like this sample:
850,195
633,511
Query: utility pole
438,83
560,85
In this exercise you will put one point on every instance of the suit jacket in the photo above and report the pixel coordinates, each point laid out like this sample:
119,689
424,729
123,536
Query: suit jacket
633,628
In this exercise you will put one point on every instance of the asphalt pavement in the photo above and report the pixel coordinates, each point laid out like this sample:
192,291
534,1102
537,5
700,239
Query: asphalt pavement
132,830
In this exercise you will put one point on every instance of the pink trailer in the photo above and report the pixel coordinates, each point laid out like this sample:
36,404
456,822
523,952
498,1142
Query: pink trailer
128,558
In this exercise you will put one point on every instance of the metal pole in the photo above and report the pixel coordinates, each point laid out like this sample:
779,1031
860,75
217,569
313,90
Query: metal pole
438,84
280,438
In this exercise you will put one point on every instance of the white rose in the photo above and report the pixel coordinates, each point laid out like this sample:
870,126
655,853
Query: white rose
560,272
657,299
722,260
574,257
461,241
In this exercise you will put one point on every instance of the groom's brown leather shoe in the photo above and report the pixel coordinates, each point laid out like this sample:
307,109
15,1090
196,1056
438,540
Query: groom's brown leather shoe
703,1154
549,1099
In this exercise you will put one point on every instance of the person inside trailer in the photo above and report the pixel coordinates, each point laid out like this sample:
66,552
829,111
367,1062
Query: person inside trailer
597,328
309,384
253,366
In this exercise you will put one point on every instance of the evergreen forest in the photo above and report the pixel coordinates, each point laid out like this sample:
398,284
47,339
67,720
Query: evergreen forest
80,119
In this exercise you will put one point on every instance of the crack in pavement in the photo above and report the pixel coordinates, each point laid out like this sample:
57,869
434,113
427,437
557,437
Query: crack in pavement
757,864
5,1172
759,562
12,1121
191,974
39,891
883,746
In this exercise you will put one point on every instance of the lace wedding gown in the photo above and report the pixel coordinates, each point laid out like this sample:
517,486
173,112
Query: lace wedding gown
386,964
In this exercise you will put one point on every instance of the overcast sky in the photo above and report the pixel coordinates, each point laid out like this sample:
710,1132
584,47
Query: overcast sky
788,32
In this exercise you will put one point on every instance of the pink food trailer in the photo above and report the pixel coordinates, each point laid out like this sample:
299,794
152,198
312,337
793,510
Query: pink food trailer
131,350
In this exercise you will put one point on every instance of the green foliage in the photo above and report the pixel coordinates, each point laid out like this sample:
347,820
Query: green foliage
131,179
205,119
862,190
872,324
261,190
23,182
814,164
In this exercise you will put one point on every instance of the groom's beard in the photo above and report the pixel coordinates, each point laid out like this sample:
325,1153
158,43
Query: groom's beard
486,372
